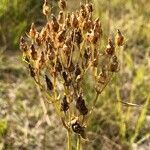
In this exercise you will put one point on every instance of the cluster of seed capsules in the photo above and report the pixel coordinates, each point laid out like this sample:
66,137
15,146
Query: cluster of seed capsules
63,52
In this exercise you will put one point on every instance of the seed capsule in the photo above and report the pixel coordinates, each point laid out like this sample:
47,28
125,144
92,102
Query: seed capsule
74,21
110,48
32,31
62,4
119,38
77,128
46,8
54,23
78,37
49,83
61,17
33,52
114,64
80,105
64,104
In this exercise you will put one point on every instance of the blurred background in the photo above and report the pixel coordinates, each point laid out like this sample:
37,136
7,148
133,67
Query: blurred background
24,125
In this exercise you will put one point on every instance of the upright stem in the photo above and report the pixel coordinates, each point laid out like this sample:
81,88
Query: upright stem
79,143
68,140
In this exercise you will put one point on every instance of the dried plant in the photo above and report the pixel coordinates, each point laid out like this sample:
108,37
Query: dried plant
62,54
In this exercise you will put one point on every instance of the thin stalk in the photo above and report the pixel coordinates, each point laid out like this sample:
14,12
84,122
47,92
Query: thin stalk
79,143
68,140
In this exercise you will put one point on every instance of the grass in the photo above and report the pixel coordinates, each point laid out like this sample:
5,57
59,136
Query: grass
115,125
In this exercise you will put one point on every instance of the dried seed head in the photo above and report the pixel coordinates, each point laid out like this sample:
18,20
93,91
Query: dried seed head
64,104
119,38
49,83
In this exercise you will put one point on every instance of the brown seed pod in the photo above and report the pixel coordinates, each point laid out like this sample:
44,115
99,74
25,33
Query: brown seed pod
89,7
119,38
80,105
34,55
49,83
54,23
64,104
74,21
78,129
62,4
61,36
61,17
114,64
32,31
38,39
46,8
110,49
78,37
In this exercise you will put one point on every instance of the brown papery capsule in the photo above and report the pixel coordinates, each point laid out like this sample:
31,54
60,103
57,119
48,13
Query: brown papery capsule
46,8
78,37
33,52
110,49
77,128
49,83
61,36
32,31
74,21
38,39
114,64
54,23
64,104
89,8
62,4
119,38
80,105
61,17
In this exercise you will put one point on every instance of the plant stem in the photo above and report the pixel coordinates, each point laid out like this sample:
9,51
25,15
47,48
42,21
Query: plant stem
78,142
68,140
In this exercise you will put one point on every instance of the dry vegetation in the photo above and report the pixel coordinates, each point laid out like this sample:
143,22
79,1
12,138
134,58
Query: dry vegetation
115,125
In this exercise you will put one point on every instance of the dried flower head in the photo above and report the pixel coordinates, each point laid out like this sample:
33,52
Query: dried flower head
63,54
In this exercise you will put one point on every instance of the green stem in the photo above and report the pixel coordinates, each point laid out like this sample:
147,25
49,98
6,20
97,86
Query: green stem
78,142
68,140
